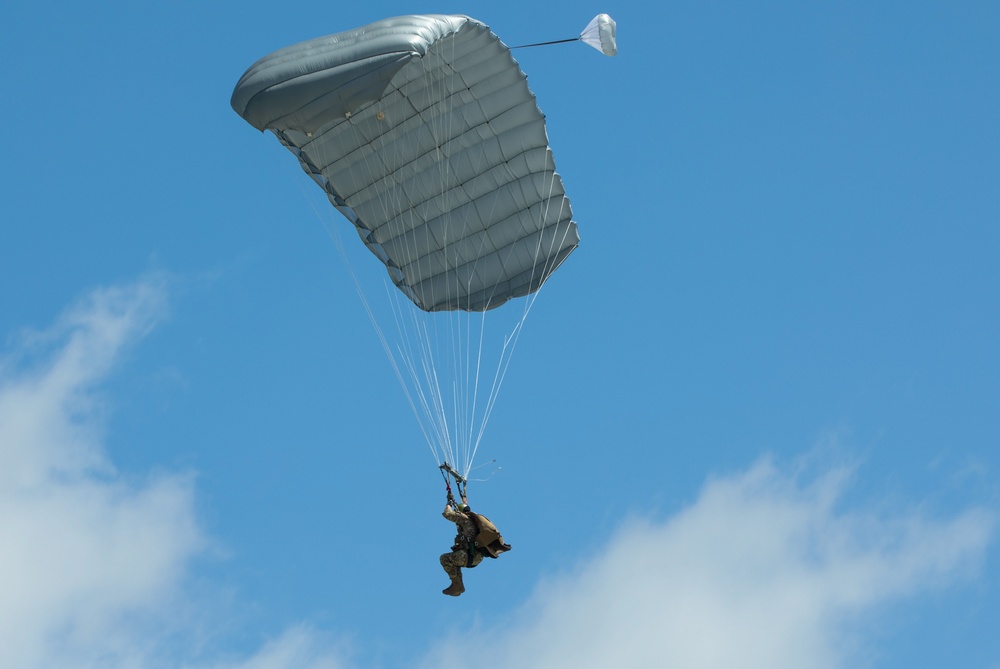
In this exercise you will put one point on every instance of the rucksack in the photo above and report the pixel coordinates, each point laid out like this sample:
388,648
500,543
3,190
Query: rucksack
489,542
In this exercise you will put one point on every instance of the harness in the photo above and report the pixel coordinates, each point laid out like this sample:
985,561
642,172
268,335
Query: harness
468,544
462,542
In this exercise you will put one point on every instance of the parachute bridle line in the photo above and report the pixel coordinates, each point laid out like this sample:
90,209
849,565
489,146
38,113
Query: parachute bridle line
558,41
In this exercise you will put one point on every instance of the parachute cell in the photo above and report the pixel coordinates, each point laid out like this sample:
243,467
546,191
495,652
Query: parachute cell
423,132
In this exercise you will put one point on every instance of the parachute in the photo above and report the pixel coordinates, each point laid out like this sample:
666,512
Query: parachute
423,133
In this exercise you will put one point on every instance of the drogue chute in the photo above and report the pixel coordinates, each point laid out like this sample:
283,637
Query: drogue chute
599,33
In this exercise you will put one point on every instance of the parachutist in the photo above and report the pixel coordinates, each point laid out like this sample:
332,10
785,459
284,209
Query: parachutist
477,538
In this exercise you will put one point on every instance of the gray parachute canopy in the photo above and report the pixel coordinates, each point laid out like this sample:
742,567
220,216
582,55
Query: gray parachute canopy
424,134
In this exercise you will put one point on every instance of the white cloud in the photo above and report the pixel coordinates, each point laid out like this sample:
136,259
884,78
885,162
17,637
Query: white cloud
761,571
300,647
49,415
85,554
93,566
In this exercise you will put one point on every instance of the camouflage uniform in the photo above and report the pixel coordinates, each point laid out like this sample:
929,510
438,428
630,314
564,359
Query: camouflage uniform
459,556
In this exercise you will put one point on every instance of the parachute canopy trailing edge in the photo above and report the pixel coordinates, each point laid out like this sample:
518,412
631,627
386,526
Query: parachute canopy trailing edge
423,132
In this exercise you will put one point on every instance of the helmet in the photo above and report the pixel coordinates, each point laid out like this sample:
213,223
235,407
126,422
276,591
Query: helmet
464,508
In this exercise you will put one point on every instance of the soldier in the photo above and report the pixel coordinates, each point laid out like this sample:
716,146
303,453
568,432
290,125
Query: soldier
477,537
463,552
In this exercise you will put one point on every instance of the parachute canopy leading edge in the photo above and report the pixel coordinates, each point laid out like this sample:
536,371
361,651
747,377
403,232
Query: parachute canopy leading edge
423,132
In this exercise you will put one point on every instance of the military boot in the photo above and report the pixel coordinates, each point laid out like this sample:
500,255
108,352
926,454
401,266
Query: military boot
456,588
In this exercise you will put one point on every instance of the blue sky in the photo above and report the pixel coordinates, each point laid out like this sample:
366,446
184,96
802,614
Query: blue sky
752,421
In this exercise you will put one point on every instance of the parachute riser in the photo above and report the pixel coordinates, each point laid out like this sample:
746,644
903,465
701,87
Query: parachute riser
460,482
